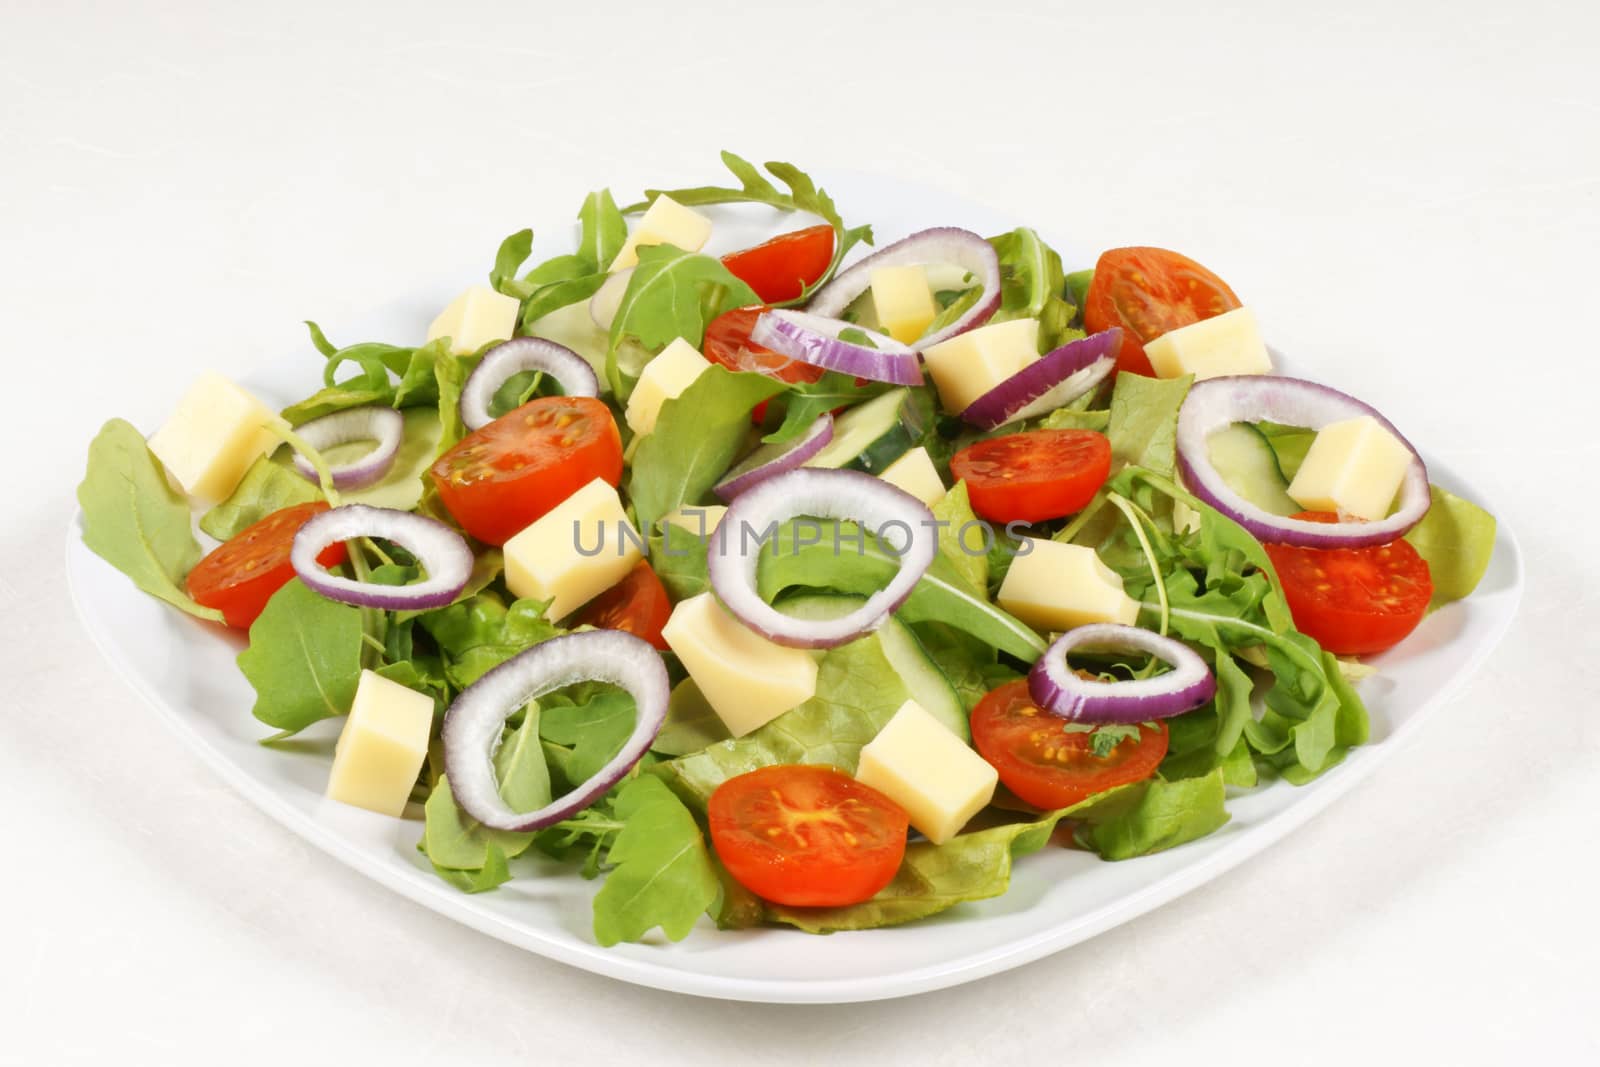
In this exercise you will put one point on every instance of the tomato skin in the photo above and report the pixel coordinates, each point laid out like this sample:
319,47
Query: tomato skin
807,836
1046,765
782,268
500,478
239,576
1149,292
1353,601
637,605
1032,476
727,342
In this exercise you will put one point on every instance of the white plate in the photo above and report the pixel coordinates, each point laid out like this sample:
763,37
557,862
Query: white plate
1059,897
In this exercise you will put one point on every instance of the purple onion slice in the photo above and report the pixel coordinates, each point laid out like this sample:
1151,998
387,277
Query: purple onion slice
383,425
815,339
942,244
1056,378
769,460
1058,689
878,507
570,370
476,719
1219,402
442,553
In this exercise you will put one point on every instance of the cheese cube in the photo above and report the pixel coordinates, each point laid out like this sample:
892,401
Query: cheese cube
382,747
747,680
475,318
214,436
1056,587
903,301
666,376
1354,466
665,222
574,552
915,473
1229,343
972,363
930,772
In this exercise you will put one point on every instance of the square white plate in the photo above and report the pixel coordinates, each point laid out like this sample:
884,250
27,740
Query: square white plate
185,670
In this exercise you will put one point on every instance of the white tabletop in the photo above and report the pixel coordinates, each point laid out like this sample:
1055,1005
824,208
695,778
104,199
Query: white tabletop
1411,201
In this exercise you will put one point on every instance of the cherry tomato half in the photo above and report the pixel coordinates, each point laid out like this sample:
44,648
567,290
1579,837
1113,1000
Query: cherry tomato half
1149,292
499,479
239,577
1353,601
1032,476
1048,766
638,605
807,836
782,268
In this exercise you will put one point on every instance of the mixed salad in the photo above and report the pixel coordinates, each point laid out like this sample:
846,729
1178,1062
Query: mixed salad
794,586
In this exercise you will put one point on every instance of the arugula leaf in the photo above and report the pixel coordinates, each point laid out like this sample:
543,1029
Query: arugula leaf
595,727
450,375
696,438
672,294
805,402
304,658
678,557
966,553
856,336
1155,816
604,231
942,594
754,188
662,873
858,692
1456,539
513,253
336,398
135,521
1031,286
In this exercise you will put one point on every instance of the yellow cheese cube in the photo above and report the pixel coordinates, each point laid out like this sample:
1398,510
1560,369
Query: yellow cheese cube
665,222
919,764
214,436
915,473
972,363
382,746
1229,343
666,376
747,680
1057,586
1354,466
903,301
574,552
475,318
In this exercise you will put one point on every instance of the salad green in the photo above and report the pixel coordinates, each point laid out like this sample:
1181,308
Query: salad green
1283,705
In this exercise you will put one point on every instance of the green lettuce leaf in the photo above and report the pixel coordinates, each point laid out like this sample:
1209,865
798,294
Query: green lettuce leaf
967,554
1456,538
1143,426
692,724
1154,815
1031,286
135,521
304,658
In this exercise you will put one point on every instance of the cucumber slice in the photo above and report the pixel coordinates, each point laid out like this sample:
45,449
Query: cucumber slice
873,435
1245,459
926,682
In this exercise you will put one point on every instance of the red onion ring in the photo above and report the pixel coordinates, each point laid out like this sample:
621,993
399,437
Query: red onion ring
383,425
769,460
442,553
942,244
1056,378
1058,689
814,339
570,370
824,494
1219,402
475,720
